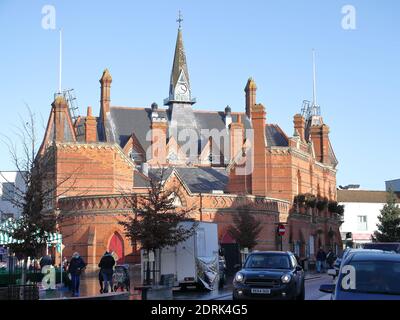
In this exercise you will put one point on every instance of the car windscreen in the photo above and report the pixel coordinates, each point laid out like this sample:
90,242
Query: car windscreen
376,277
268,261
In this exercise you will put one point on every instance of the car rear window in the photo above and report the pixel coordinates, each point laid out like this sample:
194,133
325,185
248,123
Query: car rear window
379,277
268,261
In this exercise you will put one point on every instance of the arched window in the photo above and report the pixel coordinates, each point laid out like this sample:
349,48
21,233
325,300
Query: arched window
177,200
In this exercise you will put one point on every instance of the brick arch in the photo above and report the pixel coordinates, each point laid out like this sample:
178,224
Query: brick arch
116,244
107,237
226,238
182,196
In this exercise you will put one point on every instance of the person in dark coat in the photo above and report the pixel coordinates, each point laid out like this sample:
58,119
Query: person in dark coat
76,265
101,281
45,261
321,258
106,265
330,258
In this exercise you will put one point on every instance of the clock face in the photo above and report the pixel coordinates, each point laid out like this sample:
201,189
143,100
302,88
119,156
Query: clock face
182,88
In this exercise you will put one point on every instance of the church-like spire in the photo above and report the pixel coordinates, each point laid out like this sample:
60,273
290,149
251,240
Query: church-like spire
179,89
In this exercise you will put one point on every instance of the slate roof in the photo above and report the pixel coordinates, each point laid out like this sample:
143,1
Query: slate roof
140,180
275,136
198,179
124,121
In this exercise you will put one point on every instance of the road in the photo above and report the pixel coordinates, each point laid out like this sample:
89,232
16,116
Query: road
311,286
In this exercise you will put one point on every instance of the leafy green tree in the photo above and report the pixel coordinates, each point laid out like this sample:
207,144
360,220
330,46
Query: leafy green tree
245,229
389,222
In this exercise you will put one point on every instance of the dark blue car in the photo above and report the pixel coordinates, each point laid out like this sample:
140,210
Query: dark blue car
367,275
269,275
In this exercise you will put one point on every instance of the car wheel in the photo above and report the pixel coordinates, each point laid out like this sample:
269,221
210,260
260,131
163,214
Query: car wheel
302,294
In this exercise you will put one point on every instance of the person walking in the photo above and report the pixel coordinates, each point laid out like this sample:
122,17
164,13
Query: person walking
321,258
330,258
106,265
76,265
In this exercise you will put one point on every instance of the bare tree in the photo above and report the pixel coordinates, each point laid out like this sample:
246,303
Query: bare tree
36,200
154,222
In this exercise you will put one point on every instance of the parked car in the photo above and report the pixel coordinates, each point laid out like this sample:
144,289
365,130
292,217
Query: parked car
269,275
377,277
389,246
336,266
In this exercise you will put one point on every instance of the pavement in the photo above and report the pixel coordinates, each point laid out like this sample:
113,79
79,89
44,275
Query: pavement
89,289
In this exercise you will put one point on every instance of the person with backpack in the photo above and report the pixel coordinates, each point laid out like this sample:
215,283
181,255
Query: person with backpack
106,265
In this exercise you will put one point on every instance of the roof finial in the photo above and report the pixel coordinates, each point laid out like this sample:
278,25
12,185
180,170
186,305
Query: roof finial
179,20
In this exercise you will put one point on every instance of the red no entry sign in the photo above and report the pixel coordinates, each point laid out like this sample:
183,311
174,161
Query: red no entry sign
281,230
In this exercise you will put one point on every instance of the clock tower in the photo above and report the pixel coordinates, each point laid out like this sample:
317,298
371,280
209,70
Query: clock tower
180,101
179,89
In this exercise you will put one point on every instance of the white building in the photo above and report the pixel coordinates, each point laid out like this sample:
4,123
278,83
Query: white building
361,212
11,182
393,185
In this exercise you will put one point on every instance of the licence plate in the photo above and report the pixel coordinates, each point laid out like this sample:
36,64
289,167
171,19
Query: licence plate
261,291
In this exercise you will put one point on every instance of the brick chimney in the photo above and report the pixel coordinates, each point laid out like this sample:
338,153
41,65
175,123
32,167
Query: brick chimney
320,139
105,96
236,137
60,110
300,125
250,91
259,175
90,127
158,142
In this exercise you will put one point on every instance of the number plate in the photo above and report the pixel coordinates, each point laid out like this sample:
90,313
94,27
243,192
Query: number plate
261,291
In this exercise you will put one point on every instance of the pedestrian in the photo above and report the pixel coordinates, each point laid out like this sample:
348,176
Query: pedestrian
76,265
106,265
45,261
101,281
321,258
330,258
65,263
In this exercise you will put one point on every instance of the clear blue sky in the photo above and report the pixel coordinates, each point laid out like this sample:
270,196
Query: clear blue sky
225,42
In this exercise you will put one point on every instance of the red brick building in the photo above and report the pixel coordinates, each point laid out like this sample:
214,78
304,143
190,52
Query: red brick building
219,160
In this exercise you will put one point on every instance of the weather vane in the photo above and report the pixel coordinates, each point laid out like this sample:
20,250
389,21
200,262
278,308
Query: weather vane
180,19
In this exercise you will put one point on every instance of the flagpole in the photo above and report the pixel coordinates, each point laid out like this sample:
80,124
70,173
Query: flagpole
60,65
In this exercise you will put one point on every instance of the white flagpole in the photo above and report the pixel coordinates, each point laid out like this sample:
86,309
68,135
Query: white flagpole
314,81
60,65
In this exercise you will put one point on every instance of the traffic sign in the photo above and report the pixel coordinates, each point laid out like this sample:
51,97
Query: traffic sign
281,230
